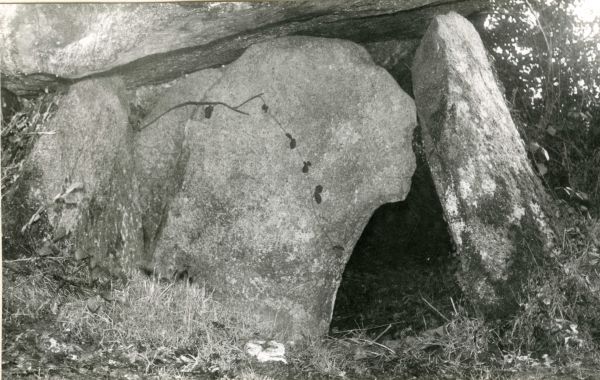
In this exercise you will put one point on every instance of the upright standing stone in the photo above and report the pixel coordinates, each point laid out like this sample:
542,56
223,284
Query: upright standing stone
274,201
493,201
85,177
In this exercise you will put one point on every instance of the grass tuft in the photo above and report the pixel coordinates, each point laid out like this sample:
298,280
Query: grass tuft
161,318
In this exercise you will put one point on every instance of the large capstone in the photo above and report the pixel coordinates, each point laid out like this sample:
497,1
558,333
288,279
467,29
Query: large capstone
492,200
273,201
46,45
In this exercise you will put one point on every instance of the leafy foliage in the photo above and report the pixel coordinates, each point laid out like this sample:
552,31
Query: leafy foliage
549,62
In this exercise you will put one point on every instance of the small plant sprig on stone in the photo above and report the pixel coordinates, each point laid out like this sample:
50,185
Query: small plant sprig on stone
293,143
207,111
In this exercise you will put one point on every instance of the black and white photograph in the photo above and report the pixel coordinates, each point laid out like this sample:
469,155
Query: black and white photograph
300,189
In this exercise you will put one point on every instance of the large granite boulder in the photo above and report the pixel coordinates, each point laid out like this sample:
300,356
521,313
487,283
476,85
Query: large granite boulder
160,151
274,200
84,179
45,45
492,200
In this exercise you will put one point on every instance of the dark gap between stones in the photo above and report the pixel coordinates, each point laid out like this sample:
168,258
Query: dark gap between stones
404,255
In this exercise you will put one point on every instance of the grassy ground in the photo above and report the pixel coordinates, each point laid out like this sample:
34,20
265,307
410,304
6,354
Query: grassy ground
396,319
57,323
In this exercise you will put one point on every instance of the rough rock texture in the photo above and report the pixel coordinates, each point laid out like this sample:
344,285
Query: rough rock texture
45,44
160,154
396,56
270,238
88,164
10,105
492,200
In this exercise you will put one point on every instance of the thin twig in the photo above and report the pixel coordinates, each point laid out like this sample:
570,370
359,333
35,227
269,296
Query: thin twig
368,328
453,306
550,70
185,104
359,340
25,259
33,218
196,103
165,290
434,309
250,99
41,133
383,332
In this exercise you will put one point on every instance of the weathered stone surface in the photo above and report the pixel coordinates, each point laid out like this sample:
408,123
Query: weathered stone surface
249,221
160,154
85,175
493,202
396,56
45,44
10,105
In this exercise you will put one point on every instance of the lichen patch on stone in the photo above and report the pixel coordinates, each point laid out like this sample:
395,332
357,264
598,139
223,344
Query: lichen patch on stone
477,161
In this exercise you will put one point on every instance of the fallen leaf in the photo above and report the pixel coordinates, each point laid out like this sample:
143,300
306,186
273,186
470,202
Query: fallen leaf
45,250
542,169
93,304
581,196
107,296
360,353
71,199
533,147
